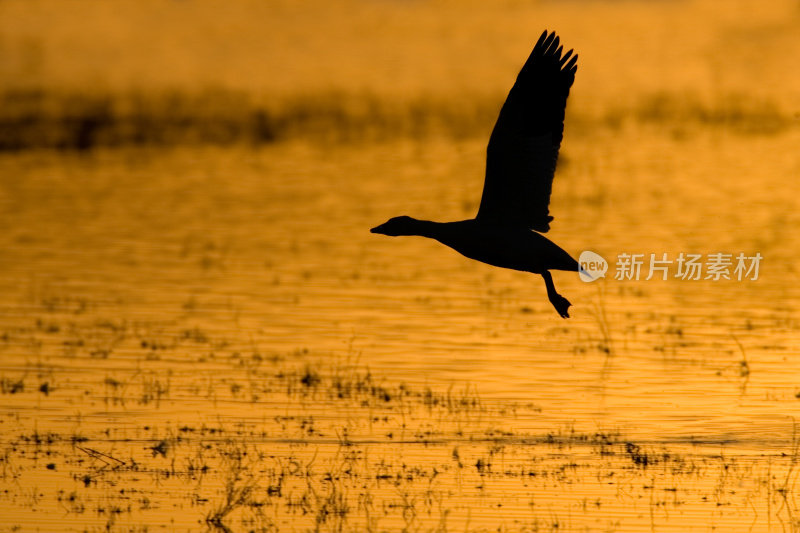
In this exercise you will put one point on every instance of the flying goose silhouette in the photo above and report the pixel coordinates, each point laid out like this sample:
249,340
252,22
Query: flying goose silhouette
520,166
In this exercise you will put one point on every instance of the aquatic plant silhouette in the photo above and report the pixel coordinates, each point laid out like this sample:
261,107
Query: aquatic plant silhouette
520,166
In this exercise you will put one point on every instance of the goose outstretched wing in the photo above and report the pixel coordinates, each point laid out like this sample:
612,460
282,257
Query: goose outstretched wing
523,148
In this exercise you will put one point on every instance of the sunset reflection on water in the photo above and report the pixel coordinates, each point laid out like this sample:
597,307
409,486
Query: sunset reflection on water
197,329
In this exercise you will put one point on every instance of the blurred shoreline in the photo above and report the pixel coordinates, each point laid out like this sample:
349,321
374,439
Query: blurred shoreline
163,73
33,119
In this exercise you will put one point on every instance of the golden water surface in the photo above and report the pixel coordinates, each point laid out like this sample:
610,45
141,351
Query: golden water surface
200,333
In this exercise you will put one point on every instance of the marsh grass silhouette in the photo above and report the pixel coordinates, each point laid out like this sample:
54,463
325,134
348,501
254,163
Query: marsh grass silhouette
520,166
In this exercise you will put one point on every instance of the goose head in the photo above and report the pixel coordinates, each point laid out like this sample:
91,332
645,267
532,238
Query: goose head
396,226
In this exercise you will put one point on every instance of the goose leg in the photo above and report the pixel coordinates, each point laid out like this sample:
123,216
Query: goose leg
559,302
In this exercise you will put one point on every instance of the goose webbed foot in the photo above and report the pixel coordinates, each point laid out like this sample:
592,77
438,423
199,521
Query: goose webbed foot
559,302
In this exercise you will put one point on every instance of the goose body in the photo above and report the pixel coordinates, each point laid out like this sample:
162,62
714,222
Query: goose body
520,166
505,247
